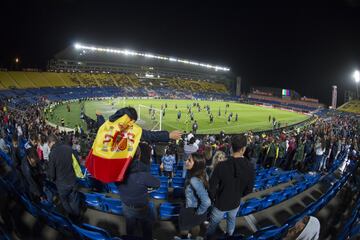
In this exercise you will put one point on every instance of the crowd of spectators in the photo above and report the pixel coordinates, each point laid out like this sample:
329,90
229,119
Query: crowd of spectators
216,166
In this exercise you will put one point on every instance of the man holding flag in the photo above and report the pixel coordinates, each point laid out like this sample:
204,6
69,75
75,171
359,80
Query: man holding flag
114,157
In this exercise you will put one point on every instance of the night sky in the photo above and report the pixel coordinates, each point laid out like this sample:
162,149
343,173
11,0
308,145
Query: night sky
307,48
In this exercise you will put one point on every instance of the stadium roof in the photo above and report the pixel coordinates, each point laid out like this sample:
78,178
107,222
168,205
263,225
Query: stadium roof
125,52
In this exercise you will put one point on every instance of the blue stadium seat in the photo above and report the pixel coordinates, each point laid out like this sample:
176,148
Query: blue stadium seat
271,182
355,230
289,192
89,232
154,169
160,193
112,205
270,232
249,206
154,172
164,184
112,188
300,187
259,184
56,220
178,182
169,211
163,179
276,197
178,173
285,178
265,203
94,200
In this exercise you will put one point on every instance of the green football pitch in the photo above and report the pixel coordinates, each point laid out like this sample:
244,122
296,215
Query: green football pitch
250,117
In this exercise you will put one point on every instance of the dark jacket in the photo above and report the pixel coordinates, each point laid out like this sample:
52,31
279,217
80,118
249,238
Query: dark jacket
16,157
134,190
230,181
33,178
60,169
99,121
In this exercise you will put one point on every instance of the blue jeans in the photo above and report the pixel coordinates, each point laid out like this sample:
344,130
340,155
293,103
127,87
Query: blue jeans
323,163
216,217
318,160
145,215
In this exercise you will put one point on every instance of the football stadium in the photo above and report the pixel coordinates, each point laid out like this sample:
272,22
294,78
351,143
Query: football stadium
114,143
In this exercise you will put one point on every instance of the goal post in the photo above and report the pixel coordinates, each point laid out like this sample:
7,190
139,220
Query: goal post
150,118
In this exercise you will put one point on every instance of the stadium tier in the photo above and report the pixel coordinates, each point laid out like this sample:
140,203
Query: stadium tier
27,80
351,107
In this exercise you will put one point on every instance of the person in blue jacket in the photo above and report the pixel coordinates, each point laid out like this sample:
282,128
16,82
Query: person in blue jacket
197,200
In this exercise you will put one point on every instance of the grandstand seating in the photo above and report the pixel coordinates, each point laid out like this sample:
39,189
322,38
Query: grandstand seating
22,80
351,106
7,81
129,82
37,78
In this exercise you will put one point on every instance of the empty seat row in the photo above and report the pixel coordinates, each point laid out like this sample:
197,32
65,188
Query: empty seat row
101,202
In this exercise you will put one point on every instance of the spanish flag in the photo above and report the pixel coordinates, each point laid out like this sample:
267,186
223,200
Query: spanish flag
113,149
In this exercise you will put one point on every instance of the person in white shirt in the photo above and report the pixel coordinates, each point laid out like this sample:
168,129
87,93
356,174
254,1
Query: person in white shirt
307,228
44,147
191,146
19,131
319,151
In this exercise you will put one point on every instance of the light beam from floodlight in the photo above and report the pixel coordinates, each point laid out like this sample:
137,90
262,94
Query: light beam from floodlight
356,77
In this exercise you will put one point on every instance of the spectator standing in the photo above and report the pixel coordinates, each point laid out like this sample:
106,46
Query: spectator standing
196,195
167,163
319,151
218,157
272,153
134,197
230,181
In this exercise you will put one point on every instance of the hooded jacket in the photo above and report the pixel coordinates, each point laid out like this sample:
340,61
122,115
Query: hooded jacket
134,190
231,180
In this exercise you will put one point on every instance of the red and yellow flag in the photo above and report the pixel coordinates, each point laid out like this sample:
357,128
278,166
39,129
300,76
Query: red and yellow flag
113,149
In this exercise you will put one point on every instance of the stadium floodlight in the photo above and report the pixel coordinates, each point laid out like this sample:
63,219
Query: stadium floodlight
127,52
356,77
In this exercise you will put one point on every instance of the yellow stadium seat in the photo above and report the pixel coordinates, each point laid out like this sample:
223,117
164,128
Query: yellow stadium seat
7,81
